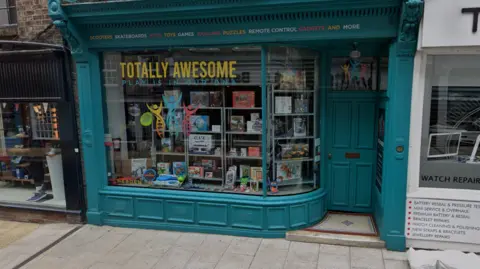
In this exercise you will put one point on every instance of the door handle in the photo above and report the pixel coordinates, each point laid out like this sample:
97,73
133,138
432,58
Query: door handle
329,156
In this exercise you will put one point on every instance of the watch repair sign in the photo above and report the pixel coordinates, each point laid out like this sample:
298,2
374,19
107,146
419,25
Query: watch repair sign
443,220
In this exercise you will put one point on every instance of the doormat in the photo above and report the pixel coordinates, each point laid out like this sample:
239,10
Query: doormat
345,223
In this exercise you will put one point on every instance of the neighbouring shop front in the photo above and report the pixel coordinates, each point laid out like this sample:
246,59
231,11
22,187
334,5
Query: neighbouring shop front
255,122
444,184
39,158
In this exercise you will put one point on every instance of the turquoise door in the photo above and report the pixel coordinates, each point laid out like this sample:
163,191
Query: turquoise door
351,150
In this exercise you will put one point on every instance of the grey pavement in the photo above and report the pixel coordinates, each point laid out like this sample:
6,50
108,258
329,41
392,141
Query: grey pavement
94,247
20,251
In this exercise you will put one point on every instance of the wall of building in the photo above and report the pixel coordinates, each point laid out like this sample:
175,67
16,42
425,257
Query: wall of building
32,21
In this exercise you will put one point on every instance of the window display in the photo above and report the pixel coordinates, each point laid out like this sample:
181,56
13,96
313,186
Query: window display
191,119
293,124
356,74
31,161
451,134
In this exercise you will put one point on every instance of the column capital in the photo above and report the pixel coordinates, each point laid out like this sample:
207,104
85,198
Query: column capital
412,12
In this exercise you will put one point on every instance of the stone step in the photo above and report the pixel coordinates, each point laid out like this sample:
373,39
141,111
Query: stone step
335,239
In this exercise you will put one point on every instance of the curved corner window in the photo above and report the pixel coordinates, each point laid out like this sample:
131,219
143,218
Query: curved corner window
451,126
187,119
294,129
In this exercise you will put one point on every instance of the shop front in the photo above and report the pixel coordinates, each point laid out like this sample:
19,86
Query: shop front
254,123
443,182
39,154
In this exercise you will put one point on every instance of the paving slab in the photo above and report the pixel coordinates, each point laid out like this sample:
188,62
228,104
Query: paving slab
94,247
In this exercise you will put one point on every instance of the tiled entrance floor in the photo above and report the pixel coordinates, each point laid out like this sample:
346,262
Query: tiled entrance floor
94,247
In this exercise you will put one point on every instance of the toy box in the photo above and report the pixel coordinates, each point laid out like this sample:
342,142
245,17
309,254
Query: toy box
200,99
237,123
179,169
245,99
195,171
294,151
163,168
254,151
199,123
289,171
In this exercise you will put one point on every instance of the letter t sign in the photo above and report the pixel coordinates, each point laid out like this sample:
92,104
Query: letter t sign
475,11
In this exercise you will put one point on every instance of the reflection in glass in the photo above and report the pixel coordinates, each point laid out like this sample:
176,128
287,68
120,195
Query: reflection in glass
293,125
31,170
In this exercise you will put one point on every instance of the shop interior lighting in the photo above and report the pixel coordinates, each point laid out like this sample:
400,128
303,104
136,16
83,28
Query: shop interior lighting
204,50
355,53
246,49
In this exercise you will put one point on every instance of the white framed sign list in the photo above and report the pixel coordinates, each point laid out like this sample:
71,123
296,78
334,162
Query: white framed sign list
443,220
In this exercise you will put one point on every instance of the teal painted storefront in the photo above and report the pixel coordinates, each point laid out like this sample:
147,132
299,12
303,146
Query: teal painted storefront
382,28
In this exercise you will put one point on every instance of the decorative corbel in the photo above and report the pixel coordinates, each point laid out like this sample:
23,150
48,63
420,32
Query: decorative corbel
69,31
412,12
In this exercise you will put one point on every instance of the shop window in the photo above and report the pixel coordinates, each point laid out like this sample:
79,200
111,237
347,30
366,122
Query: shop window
354,74
31,170
294,130
191,119
451,133
186,119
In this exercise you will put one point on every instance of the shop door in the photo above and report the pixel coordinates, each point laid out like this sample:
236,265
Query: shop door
351,151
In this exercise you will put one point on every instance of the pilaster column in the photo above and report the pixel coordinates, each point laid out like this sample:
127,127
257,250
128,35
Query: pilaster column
399,92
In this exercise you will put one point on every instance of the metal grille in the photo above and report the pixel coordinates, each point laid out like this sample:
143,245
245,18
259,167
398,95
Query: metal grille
44,121
37,77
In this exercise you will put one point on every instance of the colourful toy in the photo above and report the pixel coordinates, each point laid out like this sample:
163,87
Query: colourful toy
160,123
189,111
171,104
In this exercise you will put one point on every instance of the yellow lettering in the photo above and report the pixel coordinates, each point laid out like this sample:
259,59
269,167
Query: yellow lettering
211,69
203,69
176,70
195,69
165,68
150,70
185,66
122,64
130,70
222,69
144,70
232,69
138,64
157,70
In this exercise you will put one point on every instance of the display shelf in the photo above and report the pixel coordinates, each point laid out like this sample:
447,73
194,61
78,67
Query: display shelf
294,91
207,179
243,108
293,182
15,179
293,114
205,132
210,108
294,160
243,133
294,138
243,157
204,155
170,153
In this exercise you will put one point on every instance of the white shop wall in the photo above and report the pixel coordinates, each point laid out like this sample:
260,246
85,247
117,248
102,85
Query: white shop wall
455,71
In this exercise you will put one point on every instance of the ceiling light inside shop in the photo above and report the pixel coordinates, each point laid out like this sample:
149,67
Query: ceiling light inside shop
355,53
250,48
204,50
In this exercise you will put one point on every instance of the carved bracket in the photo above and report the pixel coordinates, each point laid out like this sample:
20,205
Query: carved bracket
69,32
412,12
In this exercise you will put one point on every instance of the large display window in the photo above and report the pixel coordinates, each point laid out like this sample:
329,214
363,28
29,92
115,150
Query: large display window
451,131
31,170
194,119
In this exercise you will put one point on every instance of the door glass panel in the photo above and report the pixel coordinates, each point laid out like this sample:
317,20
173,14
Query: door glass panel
349,74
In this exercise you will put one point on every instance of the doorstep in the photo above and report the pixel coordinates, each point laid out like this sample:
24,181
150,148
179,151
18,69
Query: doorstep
335,239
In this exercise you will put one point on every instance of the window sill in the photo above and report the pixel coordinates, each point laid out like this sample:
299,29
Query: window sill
3,26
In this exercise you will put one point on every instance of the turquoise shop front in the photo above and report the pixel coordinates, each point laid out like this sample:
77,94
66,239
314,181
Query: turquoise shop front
243,117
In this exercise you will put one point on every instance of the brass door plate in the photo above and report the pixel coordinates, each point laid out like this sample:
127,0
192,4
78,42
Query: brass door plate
352,155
